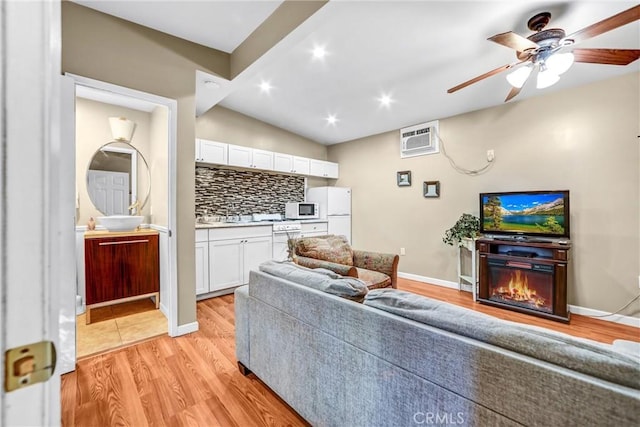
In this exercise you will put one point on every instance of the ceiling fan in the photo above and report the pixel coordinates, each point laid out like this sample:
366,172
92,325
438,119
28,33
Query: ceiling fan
542,51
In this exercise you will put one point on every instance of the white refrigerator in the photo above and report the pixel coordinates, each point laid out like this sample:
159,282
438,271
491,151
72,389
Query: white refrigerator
335,207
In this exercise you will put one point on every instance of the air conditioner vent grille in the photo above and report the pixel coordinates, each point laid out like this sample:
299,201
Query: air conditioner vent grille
419,140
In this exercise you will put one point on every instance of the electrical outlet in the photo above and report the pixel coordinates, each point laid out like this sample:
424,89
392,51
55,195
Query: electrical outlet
402,251
490,155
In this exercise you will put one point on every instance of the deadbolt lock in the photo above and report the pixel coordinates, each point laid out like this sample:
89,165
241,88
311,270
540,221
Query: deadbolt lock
29,364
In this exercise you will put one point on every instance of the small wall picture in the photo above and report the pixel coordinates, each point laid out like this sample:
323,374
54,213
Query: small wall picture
404,179
431,189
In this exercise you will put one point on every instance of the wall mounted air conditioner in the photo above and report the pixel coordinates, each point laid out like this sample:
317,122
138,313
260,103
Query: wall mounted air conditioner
419,140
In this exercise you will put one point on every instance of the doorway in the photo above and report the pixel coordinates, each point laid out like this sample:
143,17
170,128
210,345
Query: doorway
160,212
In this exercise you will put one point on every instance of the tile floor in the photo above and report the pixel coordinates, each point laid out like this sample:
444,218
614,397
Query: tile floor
117,326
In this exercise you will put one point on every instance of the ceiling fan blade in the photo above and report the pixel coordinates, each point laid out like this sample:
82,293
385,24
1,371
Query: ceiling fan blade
482,77
514,41
606,56
516,90
605,25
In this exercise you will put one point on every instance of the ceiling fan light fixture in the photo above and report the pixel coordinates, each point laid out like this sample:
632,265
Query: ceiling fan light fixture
546,78
517,77
559,63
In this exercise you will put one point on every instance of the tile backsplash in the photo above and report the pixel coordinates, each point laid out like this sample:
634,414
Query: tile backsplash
223,192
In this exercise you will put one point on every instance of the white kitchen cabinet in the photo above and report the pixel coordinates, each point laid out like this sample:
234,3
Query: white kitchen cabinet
231,260
211,152
323,169
224,256
225,262
290,164
262,159
239,156
301,165
202,267
253,158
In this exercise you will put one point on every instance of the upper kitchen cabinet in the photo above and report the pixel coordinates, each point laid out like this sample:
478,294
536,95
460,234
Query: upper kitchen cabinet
253,158
211,152
323,169
290,164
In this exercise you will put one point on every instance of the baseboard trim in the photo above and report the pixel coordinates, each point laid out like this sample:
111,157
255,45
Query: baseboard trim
605,315
430,280
186,329
575,309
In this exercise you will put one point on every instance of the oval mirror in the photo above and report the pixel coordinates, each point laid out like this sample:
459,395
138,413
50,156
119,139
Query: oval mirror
118,179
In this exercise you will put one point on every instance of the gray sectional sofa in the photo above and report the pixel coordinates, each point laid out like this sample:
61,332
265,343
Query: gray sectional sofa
400,359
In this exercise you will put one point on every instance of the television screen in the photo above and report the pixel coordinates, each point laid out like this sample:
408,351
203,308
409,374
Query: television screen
528,213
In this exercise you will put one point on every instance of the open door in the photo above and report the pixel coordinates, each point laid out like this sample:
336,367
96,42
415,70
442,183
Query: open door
32,223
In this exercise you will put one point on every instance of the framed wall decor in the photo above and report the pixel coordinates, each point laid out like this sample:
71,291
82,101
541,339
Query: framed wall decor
431,189
404,178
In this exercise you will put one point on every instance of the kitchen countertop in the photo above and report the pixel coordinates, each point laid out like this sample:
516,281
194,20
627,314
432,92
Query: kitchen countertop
252,223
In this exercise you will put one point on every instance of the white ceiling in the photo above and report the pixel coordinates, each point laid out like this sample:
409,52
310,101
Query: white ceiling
412,51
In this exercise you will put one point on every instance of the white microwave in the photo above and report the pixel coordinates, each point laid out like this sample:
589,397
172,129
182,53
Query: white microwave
301,210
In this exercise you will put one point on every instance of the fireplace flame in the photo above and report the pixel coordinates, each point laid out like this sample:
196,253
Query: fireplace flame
518,290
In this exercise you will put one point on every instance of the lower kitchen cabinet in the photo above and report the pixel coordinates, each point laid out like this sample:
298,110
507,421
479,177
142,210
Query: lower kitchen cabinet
231,260
229,255
202,267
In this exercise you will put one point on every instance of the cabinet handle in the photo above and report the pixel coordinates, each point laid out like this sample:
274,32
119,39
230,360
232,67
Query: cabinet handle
123,242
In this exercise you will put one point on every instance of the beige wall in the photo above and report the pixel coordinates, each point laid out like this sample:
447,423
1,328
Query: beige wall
109,49
224,125
159,166
92,132
583,139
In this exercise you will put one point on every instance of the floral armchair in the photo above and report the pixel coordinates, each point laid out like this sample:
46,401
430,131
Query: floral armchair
377,270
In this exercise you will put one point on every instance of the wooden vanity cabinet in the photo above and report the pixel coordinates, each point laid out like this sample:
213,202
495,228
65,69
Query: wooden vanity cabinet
121,267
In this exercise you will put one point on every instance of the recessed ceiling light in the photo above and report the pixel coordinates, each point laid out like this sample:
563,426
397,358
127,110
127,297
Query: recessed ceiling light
265,87
385,100
210,84
319,52
331,119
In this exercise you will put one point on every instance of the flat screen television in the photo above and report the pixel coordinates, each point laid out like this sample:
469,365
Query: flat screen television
525,213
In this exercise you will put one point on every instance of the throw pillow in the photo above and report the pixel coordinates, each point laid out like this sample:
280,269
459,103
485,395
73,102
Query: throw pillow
328,248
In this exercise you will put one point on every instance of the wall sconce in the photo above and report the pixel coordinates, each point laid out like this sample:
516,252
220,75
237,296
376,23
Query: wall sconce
122,128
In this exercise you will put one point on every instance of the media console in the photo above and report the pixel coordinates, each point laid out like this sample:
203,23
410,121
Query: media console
525,275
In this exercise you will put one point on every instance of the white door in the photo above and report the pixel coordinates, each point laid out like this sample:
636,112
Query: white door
340,225
338,201
32,259
109,191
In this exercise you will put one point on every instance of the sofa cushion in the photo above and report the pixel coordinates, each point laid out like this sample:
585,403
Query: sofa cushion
319,278
373,279
580,355
329,248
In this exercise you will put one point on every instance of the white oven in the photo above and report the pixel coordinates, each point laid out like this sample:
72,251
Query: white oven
282,232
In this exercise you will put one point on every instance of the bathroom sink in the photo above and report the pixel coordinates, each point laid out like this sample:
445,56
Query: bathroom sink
120,222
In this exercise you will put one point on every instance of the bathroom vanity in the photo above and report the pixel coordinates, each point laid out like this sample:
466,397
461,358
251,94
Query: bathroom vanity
121,267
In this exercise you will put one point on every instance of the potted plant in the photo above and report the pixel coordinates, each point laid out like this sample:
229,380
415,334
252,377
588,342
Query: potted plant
467,227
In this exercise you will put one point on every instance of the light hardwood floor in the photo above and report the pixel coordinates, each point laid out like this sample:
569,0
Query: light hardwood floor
194,380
